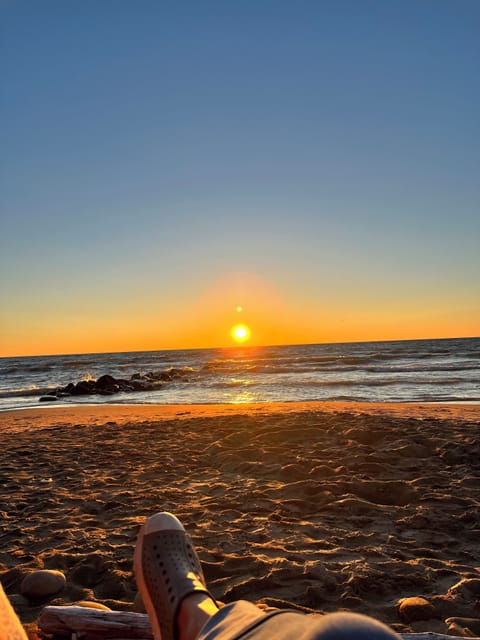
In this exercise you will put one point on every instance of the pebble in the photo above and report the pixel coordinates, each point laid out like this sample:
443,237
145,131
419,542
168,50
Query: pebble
415,608
42,583
91,605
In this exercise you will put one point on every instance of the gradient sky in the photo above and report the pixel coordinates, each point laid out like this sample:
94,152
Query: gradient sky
316,162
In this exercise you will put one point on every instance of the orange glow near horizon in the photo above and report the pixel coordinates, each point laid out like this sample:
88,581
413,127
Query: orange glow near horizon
203,318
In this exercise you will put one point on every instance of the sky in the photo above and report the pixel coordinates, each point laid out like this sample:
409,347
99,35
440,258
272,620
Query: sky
315,162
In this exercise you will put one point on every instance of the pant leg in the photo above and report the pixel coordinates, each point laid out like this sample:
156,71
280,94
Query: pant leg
10,626
244,620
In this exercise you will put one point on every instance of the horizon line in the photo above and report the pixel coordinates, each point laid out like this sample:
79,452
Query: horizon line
242,347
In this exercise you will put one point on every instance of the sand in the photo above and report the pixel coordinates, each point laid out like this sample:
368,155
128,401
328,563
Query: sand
316,506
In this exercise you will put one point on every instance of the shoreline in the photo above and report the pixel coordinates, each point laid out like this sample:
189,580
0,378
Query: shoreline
21,419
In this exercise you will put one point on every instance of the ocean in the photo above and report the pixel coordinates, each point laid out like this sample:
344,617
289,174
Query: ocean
399,371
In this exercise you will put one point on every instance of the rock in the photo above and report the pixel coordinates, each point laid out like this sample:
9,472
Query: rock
42,583
162,376
48,399
82,388
105,382
106,392
68,388
415,608
91,605
143,385
124,384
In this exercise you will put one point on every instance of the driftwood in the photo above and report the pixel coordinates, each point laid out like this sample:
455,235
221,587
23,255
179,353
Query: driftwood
94,624
84,623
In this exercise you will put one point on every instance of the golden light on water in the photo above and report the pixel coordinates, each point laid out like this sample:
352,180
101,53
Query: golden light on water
240,333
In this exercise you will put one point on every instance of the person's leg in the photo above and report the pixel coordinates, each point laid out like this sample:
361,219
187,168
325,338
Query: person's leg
194,612
170,580
239,620
349,626
10,626
172,586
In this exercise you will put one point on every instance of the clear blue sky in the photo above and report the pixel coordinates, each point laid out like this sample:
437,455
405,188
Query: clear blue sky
327,149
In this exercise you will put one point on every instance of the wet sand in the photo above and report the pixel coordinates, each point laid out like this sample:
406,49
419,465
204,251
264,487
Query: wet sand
318,506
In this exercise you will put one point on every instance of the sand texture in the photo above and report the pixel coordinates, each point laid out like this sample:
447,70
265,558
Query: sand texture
309,506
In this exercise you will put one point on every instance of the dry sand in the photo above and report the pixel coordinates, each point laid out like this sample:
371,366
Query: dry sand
323,506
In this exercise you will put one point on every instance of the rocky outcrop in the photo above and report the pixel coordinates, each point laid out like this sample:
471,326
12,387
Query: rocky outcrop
107,385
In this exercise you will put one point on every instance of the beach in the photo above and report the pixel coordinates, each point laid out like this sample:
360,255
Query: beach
318,506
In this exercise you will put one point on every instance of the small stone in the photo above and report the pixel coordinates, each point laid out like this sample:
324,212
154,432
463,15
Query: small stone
415,608
48,399
91,605
43,583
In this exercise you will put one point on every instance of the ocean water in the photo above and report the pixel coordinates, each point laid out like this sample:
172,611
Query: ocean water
398,371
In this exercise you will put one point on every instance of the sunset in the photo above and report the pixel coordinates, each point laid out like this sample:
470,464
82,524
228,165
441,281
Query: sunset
308,164
239,319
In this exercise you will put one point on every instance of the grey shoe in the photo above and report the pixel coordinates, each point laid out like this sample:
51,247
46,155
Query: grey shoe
167,570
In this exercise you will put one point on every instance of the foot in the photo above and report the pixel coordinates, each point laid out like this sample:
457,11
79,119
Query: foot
170,580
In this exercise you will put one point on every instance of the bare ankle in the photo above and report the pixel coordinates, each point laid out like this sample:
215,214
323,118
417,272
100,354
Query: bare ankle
195,610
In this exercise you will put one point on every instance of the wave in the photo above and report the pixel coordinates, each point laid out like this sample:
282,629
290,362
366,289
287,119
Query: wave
27,392
390,382
75,364
332,363
420,369
298,384
5,371
31,368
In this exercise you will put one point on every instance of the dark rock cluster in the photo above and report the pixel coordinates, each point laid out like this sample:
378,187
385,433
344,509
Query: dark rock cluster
107,385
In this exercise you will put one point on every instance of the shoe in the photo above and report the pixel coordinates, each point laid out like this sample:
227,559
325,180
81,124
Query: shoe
167,570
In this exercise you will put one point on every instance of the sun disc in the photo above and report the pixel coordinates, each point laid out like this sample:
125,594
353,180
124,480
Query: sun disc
240,332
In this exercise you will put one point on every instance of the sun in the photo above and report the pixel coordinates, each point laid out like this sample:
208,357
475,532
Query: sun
240,333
